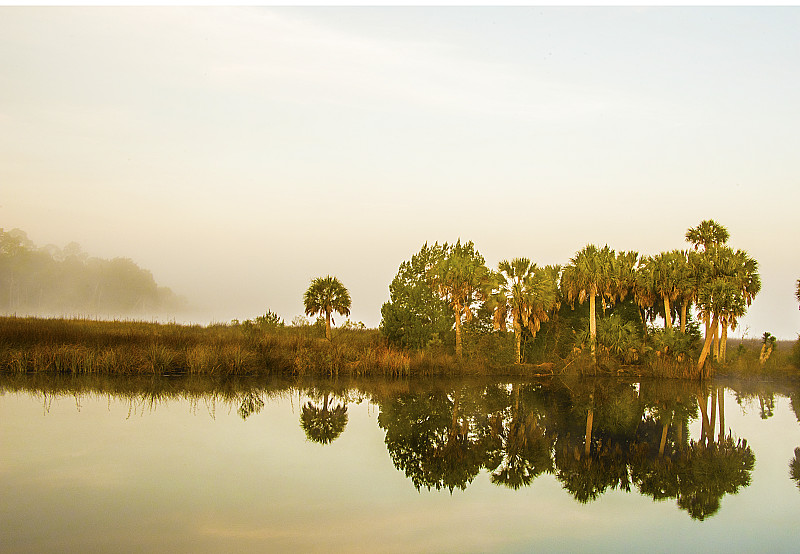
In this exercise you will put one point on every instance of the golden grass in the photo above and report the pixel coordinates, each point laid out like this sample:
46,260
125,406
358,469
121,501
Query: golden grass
79,346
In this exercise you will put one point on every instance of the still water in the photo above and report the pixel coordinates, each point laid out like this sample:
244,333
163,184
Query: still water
186,465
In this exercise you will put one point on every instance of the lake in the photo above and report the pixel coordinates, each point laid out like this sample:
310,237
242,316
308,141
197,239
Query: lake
194,465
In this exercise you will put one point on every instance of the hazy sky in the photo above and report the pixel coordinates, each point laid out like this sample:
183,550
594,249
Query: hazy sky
238,153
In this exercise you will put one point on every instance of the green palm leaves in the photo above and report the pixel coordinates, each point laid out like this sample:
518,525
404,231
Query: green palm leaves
666,276
594,271
460,278
729,281
708,233
529,293
326,295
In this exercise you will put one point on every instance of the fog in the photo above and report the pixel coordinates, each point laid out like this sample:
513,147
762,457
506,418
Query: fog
238,153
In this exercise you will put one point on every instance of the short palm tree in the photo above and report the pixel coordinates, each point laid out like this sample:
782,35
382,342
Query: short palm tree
326,295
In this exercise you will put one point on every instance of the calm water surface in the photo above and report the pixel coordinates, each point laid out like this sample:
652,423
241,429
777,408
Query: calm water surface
186,465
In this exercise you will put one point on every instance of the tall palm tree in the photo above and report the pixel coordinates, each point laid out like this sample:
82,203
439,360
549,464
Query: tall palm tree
686,283
718,297
742,271
707,234
588,274
497,302
326,295
531,295
644,293
460,278
665,281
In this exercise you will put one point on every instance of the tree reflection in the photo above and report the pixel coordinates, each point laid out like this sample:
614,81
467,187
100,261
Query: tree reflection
592,435
698,473
324,424
439,439
794,467
706,474
524,447
251,404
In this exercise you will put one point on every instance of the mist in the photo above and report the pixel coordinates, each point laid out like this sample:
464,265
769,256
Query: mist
236,154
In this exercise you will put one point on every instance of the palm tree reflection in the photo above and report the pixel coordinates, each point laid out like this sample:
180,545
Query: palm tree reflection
324,424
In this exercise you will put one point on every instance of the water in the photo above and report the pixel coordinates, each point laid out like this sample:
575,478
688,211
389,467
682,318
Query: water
103,464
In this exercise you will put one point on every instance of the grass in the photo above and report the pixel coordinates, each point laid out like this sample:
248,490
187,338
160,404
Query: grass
81,346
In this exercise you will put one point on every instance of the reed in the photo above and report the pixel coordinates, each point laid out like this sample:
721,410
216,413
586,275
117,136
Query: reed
80,346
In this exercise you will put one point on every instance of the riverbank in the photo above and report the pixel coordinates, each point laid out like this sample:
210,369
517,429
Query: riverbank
82,346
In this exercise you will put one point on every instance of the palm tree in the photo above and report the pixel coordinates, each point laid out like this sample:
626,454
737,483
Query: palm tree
644,294
797,292
716,297
589,273
686,283
530,293
326,295
708,233
513,276
665,281
460,278
497,302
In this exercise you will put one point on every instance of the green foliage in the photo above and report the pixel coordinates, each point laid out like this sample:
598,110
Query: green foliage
674,344
324,296
415,314
269,320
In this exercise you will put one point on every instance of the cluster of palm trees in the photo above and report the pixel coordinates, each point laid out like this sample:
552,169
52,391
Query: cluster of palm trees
719,281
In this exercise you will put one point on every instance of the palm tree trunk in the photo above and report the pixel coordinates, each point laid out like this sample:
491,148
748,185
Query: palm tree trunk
723,347
712,332
457,309
592,325
588,438
721,401
705,429
664,429
328,324
716,338
683,316
667,314
712,424
518,340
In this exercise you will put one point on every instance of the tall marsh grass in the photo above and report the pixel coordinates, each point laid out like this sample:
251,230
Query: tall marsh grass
78,346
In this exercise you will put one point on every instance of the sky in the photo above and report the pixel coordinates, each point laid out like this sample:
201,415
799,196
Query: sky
237,153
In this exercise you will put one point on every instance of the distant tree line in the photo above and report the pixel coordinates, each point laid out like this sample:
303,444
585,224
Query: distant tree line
602,304
50,280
